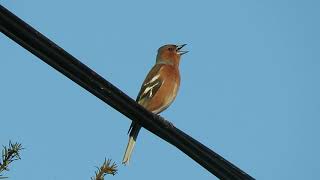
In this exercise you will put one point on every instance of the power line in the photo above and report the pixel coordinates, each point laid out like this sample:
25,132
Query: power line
56,57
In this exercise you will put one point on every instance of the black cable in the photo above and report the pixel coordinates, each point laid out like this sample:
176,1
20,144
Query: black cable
52,54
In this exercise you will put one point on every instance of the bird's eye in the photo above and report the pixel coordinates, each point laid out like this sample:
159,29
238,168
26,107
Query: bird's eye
170,49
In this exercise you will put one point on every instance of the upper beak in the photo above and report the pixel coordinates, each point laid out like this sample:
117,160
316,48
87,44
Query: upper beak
179,51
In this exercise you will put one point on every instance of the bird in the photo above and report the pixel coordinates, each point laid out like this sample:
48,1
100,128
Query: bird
158,90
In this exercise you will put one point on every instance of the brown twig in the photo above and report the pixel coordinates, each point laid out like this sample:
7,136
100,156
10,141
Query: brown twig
106,168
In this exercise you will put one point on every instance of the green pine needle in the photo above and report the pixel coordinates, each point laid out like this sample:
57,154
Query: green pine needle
9,154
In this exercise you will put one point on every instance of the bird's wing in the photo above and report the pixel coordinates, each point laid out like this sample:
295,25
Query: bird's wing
151,84
149,88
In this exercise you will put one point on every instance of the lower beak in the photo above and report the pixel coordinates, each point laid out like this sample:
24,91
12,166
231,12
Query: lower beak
179,51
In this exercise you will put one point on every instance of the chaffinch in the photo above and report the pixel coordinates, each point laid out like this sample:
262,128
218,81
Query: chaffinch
159,88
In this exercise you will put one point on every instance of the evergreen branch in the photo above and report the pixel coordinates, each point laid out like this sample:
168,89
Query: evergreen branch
106,168
9,154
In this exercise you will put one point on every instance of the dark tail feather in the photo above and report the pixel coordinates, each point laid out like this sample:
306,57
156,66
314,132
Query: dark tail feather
133,134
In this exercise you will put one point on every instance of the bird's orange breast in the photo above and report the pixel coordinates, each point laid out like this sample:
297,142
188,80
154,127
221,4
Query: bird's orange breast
168,90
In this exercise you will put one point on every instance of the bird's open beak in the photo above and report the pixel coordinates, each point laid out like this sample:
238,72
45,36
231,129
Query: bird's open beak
179,51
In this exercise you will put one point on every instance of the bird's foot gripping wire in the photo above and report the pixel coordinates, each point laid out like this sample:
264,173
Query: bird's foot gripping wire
166,122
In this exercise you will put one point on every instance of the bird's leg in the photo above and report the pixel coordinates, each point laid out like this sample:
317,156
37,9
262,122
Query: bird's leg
166,122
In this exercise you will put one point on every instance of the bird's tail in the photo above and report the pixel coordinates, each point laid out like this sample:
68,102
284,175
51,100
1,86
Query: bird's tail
133,134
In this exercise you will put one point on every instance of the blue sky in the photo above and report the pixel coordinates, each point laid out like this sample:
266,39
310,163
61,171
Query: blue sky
250,87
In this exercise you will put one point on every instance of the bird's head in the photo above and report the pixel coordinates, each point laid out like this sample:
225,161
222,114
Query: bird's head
170,54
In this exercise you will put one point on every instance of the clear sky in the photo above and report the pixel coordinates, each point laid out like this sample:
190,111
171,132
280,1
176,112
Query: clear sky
250,87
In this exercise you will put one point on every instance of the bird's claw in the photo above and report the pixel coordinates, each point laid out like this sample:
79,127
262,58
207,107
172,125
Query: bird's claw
166,122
